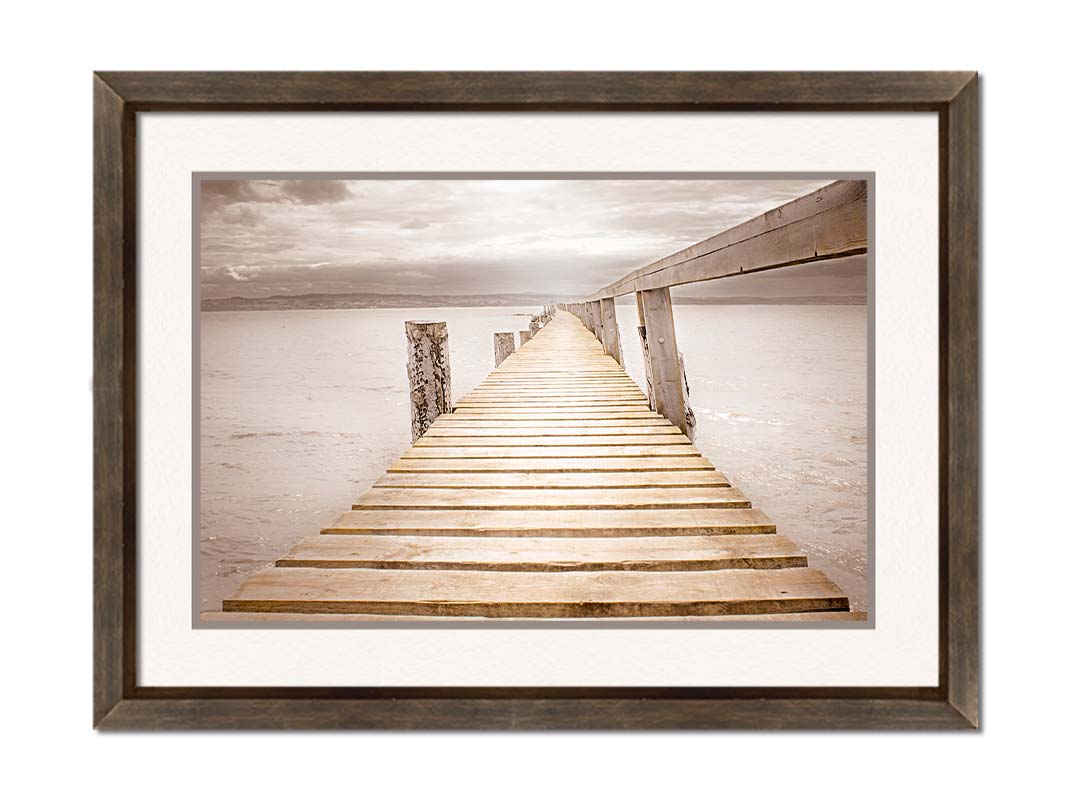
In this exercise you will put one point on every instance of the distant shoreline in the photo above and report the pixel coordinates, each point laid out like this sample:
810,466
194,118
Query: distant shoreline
329,302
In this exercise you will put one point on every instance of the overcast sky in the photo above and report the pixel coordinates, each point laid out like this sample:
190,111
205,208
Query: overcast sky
560,238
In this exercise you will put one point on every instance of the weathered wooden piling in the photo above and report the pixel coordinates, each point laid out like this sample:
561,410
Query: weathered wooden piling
610,329
597,320
538,321
524,337
642,334
663,354
503,345
429,374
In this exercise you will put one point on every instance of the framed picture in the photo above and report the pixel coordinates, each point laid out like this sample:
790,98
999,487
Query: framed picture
536,400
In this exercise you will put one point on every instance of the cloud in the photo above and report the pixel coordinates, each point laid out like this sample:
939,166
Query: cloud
215,195
314,192
242,215
559,237
241,273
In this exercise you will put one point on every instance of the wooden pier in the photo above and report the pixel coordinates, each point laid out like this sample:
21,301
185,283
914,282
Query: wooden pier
553,490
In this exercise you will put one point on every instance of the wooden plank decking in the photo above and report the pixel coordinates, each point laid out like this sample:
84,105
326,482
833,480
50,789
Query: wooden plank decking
551,491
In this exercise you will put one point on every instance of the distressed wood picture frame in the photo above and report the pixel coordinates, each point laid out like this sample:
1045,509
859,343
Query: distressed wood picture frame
119,699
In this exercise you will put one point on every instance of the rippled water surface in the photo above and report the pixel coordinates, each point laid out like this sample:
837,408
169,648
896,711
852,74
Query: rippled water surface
302,410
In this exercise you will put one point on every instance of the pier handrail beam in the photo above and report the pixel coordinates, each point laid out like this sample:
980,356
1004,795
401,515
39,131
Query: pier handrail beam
826,224
829,223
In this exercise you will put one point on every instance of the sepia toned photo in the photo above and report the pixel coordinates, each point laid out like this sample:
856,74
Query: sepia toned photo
533,398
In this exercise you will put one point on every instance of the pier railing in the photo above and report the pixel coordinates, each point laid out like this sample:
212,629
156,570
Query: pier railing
827,224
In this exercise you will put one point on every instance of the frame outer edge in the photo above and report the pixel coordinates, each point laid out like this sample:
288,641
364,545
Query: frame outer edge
540,90
963,401
534,714
111,387
117,702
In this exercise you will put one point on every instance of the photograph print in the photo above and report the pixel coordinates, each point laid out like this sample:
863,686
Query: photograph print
615,398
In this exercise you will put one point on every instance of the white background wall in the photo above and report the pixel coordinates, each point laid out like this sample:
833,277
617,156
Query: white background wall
48,55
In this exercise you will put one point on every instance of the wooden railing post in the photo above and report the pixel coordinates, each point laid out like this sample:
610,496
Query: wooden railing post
524,337
503,345
642,334
596,320
429,374
610,327
663,354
